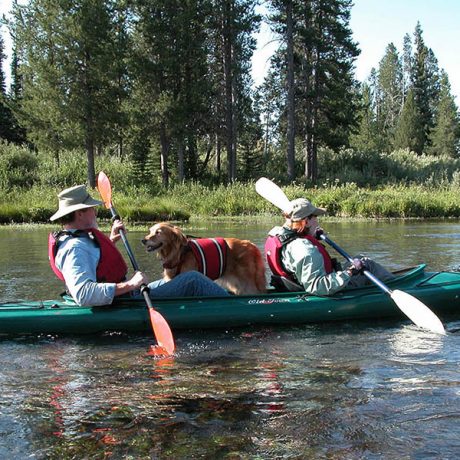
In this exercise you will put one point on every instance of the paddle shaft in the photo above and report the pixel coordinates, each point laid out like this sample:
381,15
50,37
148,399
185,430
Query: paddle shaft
144,288
415,310
347,256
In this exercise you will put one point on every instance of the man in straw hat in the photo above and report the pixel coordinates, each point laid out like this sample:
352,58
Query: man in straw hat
295,255
92,267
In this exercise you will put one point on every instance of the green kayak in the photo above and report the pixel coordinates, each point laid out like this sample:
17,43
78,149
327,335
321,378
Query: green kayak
440,291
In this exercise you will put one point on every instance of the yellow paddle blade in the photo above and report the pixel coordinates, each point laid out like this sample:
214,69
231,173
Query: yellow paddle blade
105,189
418,312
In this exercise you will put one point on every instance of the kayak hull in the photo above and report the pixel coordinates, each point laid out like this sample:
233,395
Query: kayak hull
440,291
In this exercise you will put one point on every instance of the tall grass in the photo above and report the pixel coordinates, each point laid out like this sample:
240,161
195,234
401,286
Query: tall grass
385,186
373,169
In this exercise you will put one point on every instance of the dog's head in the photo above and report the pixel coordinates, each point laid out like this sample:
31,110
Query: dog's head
166,238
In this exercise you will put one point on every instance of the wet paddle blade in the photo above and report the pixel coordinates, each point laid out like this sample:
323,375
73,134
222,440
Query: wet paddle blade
271,192
415,310
162,333
105,189
160,327
418,312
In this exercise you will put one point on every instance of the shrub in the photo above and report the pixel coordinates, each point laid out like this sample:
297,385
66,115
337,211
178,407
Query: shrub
18,166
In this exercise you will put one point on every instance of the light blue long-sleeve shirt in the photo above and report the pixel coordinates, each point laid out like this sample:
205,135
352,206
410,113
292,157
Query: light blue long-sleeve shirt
77,259
304,260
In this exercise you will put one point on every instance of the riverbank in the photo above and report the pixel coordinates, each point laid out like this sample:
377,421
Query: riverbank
187,201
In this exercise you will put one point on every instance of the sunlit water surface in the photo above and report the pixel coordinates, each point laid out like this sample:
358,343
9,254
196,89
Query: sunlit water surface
338,391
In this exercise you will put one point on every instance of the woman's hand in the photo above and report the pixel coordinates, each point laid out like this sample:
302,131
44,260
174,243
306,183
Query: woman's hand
357,268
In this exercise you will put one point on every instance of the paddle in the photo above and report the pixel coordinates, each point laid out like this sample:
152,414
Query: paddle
413,308
160,327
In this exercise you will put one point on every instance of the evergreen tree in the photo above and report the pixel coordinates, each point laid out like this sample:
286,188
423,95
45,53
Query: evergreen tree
445,135
390,82
269,100
4,112
69,69
325,89
6,116
2,58
407,59
232,27
366,137
171,84
425,83
409,131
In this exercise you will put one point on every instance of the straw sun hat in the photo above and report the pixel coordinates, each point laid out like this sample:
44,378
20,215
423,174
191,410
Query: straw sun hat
72,199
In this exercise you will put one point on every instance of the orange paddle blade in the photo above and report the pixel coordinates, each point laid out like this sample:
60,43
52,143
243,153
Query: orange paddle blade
105,189
162,332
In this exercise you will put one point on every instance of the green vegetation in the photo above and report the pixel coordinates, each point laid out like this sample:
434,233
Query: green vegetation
163,102
357,185
170,93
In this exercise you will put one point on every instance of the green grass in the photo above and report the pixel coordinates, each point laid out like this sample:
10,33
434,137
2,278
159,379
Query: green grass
37,204
353,184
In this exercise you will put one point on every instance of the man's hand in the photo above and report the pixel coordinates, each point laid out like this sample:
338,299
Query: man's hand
138,280
318,232
115,232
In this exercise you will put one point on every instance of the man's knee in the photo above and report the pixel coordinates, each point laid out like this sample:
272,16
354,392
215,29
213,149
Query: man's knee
192,276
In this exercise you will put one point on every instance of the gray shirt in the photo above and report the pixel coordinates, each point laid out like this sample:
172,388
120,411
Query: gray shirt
77,259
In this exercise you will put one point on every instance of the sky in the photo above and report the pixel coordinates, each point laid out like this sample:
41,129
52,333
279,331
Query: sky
375,24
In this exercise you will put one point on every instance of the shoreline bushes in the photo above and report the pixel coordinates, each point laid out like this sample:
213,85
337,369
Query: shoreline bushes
397,185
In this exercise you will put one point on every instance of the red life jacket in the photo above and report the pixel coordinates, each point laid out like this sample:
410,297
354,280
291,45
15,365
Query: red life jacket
211,255
111,268
275,243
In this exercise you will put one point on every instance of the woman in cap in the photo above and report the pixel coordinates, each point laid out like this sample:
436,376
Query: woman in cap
296,256
90,264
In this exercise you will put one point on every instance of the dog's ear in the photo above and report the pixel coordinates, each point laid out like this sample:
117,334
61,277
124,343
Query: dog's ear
179,235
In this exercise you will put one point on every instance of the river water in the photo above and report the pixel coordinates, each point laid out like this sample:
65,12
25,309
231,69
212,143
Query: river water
335,391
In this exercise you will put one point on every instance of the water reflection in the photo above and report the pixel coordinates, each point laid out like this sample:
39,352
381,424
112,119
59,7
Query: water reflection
348,390
410,341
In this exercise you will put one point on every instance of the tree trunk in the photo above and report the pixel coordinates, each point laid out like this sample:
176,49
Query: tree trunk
235,123
290,154
218,154
120,146
192,157
180,162
208,156
164,155
266,139
89,143
227,34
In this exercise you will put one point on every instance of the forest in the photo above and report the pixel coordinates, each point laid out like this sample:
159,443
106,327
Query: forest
165,87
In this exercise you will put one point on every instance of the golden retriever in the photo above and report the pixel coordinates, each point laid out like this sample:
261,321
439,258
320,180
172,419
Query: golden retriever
241,269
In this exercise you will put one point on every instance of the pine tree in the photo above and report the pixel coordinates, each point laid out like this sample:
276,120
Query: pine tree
409,131
367,136
407,59
4,112
2,73
390,82
445,135
325,88
268,100
425,83
6,116
232,27
68,56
